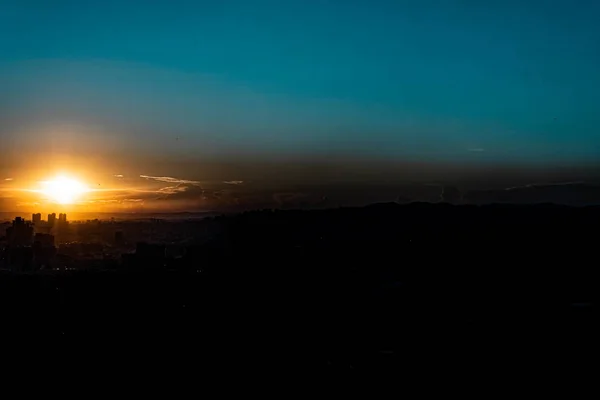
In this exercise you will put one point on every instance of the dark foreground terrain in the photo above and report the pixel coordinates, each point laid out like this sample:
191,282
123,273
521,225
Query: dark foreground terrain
424,289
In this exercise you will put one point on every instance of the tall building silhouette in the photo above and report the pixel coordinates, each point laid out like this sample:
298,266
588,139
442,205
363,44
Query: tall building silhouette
43,240
36,219
62,218
20,233
51,219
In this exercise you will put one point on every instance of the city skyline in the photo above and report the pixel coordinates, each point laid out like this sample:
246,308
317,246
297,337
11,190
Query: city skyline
399,189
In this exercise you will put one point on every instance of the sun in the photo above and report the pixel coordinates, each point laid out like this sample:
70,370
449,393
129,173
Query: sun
63,190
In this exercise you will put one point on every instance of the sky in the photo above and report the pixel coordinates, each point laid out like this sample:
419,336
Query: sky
288,93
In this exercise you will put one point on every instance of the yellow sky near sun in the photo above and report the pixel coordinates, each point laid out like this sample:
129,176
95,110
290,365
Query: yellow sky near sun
63,191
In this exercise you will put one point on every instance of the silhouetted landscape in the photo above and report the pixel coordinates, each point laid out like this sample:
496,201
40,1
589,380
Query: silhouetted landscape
263,189
375,288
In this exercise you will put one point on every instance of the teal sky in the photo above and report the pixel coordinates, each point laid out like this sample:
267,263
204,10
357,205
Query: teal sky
511,82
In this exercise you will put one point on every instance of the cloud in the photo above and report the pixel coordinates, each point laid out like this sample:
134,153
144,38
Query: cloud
169,179
530,185
233,182
476,150
176,188
118,176
8,179
171,190
113,201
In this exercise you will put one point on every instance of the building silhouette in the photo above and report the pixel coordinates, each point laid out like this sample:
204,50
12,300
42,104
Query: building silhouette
36,219
20,233
43,240
51,219
62,218
150,251
44,250
147,257
119,238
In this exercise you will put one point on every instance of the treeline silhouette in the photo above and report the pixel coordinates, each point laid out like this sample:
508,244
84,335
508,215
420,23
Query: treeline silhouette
382,287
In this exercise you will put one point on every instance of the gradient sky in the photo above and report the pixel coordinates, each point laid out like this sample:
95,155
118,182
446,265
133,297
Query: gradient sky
152,86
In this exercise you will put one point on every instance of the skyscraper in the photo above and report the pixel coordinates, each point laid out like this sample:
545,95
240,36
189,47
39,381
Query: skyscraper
51,219
62,218
36,219
20,233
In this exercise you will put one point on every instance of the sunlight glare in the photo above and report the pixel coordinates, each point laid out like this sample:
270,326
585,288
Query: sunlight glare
63,190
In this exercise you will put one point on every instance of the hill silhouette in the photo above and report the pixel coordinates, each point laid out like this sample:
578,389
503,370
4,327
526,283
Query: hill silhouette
351,289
